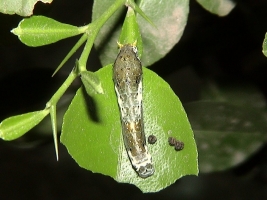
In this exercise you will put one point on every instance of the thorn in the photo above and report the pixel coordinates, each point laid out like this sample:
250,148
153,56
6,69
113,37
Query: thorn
56,145
54,127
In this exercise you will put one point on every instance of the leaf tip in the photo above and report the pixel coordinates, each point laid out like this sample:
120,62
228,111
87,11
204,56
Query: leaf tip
14,31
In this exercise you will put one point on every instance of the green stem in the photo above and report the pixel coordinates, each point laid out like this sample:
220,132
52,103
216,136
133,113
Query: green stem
72,51
55,98
93,30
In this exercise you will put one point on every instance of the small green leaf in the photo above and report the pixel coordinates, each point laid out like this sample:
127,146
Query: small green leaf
16,126
226,134
39,30
218,7
264,45
20,7
91,83
130,32
92,133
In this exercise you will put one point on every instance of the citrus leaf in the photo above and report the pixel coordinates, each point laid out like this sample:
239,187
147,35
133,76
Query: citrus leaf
226,134
39,30
234,92
264,45
16,126
170,18
218,7
20,7
92,133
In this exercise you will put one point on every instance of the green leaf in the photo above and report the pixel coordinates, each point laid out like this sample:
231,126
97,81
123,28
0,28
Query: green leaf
16,126
20,7
234,92
264,45
170,18
92,133
91,83
218,7
136,8
39,30
226,134
241,103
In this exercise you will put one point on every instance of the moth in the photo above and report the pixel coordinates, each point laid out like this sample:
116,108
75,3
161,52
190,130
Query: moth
127,77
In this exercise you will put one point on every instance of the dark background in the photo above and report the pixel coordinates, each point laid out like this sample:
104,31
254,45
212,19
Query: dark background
217,47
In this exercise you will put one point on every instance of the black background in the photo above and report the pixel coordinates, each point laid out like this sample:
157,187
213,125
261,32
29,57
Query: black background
217,47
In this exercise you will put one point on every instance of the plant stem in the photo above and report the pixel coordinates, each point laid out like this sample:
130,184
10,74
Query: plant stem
72,51
51,104
55,98
93,30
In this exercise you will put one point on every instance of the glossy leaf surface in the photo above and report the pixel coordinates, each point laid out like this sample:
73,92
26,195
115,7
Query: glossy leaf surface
39,30
16,126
